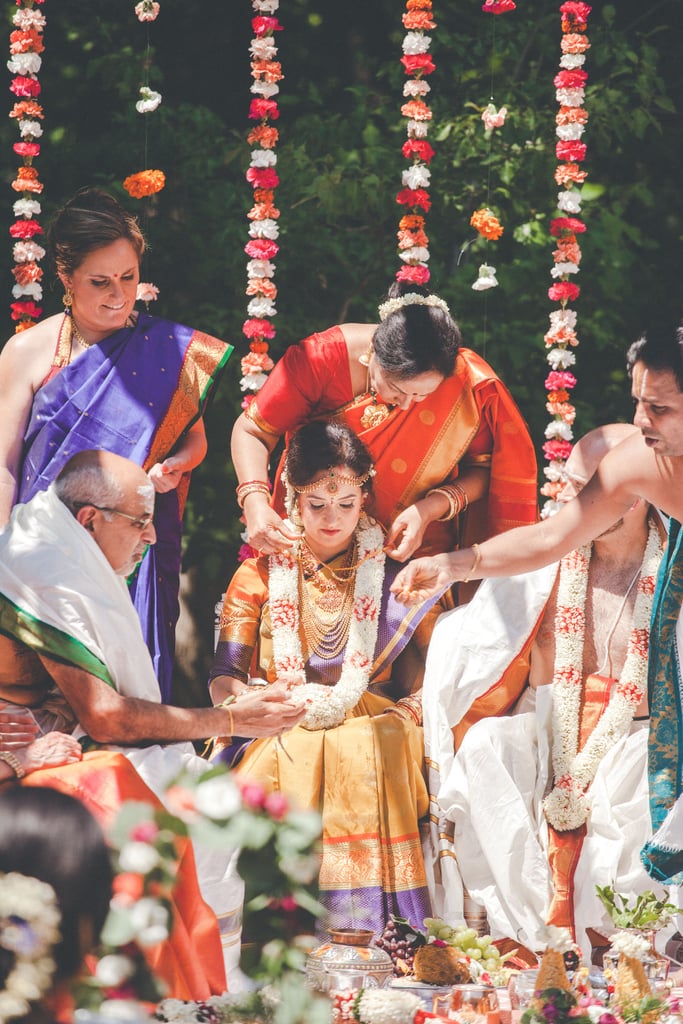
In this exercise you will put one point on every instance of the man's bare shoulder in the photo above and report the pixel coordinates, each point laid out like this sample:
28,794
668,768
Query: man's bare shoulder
635,469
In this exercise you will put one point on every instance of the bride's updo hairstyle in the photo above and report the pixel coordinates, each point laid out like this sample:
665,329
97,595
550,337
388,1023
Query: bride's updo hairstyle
90,221
416,338
318,446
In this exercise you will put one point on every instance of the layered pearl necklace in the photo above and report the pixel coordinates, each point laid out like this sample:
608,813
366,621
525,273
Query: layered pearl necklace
329,704
566,806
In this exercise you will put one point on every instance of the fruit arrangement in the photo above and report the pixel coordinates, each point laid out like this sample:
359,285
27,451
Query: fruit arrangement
467,951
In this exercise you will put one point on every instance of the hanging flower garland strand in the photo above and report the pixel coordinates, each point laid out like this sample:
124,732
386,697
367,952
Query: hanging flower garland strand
561,338
413,243
26,45
262,246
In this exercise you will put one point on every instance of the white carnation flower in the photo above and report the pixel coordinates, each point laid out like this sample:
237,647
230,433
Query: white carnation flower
265,6
218,798
563,318
140,858
570,97
486,279
560,269
560,358
570,61
260,268
417,176
266,89
25,64
253,381
416,87
32,289
27,252
263,49
261,307
569,201
263,158
554,471
265,228
416,42
149,100
570,132
30,129
28,18
417,129
416,254
114,969
560,431
26,208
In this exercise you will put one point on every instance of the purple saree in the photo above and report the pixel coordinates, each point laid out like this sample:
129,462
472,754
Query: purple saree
135,394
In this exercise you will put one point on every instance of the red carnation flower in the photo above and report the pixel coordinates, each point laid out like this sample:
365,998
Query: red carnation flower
419,148
414,197
574,79
261,249
571,150
260,108
498,6
566,225
418,273
22,309
26,148
415,63
25,229
263,177
562,291
262,25
256,328
24,86
560,379
555,450
574,16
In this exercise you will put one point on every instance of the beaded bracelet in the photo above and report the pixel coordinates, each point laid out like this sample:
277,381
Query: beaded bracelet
13,761
475,563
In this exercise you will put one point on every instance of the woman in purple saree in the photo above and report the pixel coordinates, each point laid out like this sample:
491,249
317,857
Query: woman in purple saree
103,376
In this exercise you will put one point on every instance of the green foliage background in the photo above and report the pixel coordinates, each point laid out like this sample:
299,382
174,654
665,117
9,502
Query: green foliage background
340,165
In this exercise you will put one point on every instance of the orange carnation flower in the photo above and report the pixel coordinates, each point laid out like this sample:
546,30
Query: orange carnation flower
27,180
558,396
26,273
261,211
271,70
417,110
568,251
571,115
487,224
411,222
570,172
24,325
26,108
264,135
263,195
407,239
417,21
262,286
144,183
419,5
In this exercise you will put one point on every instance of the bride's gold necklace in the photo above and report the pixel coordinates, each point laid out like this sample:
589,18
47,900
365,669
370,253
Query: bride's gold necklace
326,618
376,413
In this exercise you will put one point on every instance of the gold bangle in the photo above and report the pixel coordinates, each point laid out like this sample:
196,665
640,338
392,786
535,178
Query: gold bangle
463,498
475,563
13,761
448,495
255,488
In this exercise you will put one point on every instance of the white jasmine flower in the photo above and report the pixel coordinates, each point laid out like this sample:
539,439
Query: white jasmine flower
630,944
266,89
560,269
417,176
30,129
417,129
33,289
486,279
570,201
26,208
570,132
218,798
416,42
560,431
113,969
253,381
416,87
416,254
25,64
149,100
572,60
263,158
261,308
265,228
263,49
139,858
570,97
260,268
560,358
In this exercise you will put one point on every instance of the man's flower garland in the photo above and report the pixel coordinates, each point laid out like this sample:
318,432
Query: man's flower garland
566,806
413,243
262,246
26,45
29,929
571,120
329,703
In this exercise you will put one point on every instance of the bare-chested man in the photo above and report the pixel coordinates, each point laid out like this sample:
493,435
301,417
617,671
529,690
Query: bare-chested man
648,467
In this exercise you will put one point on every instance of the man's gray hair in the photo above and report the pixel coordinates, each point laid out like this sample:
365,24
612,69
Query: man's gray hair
87,483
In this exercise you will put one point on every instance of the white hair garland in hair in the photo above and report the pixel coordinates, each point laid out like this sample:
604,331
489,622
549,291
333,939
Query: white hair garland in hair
29,928
411,299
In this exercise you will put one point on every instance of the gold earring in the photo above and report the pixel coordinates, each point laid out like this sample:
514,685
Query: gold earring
295,517
68,298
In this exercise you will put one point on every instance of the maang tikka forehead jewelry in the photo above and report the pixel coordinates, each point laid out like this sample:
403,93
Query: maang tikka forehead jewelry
336,480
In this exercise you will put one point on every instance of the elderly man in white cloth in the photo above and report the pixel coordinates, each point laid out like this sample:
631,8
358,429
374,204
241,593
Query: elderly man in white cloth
539,806
71,648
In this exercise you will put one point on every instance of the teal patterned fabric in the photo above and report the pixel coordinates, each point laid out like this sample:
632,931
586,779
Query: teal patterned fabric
663,854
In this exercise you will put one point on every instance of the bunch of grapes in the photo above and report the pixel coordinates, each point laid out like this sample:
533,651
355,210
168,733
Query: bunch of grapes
397,941
476,947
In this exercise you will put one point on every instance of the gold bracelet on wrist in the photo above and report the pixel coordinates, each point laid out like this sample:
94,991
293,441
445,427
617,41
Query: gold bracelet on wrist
455,496
13,761
475,563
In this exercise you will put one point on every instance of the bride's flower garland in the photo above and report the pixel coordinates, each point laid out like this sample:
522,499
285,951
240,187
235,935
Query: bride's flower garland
29,928
566,806
561,338
413,243
262,176
329,703
26,45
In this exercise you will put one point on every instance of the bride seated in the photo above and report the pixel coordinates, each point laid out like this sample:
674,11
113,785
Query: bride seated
321,618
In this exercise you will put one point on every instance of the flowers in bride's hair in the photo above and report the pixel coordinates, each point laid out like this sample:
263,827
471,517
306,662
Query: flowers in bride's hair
149,100
147,10
144,183
146,292
29,929
486,279
493,118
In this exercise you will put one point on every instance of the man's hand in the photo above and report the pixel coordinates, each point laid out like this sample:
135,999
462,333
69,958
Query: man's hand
18,728
423,578
266,711
50,751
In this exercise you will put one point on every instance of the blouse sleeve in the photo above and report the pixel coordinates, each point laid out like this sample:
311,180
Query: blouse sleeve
239,621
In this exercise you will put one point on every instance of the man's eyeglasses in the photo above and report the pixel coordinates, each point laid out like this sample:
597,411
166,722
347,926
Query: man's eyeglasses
140,523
